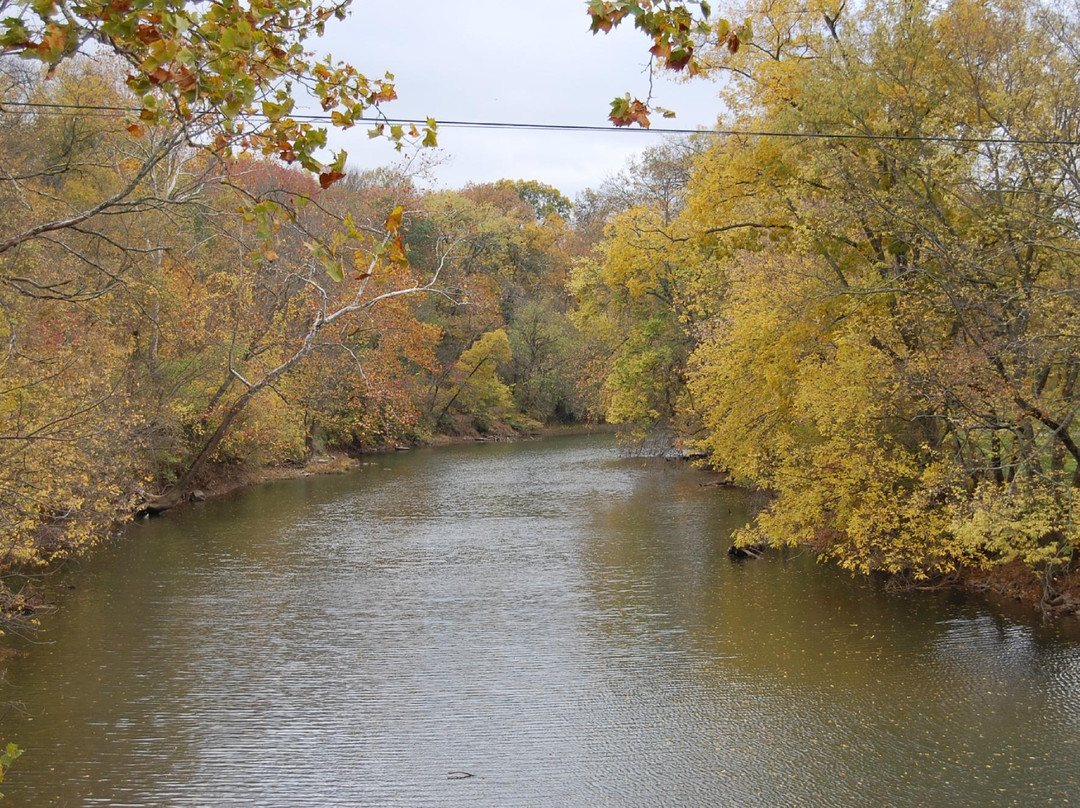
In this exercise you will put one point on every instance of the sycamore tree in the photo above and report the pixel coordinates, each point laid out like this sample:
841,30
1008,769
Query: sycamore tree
219,79
327,285
104,176
685,39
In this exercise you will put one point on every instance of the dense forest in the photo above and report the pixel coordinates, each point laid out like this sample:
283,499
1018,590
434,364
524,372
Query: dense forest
231,313
862,300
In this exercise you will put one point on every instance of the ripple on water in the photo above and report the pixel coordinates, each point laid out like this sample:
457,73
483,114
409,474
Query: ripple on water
561,625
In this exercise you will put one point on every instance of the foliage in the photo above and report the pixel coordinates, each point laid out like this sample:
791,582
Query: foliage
542,341
878,325
680,33
644,291
479,390
509,260
10,754
228,73
544,199
221,315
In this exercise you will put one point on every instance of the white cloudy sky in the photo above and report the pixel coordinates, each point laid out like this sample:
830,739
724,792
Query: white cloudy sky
513,61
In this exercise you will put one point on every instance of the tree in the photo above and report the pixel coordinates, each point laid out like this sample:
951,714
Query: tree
119,174
892,350
543,363
219,78
545,200
508,265
10,755
644,293
479,392
322,298
152,289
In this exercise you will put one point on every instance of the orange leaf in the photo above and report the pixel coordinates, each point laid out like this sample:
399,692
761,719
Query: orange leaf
385,93
147,34
625,112
187,80
328,178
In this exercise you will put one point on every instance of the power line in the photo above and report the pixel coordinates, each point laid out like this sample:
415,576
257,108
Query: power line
108,111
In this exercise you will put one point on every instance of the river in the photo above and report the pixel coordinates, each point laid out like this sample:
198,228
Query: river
533,624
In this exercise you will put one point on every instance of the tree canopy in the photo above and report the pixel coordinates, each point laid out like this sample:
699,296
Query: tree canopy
873,314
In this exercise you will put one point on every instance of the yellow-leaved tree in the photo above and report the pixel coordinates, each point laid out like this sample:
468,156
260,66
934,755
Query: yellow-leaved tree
893,351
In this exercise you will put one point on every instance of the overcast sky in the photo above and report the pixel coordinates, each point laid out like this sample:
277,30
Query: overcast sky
508,61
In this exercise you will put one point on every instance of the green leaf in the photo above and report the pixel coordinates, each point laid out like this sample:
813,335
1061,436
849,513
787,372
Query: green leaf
11,753
339,161
430,133
16,34
227,39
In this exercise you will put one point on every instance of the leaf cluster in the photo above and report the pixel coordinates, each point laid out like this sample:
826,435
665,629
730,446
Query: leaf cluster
229,73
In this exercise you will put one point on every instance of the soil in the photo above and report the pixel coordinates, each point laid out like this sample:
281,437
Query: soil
1018,583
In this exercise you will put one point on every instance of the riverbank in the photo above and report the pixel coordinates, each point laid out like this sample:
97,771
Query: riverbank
21,602
1016,582
225,480
1012,582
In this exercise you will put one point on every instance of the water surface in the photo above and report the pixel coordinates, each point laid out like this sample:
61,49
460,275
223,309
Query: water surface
558,623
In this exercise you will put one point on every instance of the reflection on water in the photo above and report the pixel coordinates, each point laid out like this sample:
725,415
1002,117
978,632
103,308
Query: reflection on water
560,624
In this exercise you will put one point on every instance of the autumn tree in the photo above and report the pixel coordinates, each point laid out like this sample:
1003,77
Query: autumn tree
508,271
220,79
478,391
72,299
544,199
118,183
893,351
228,75
643,293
